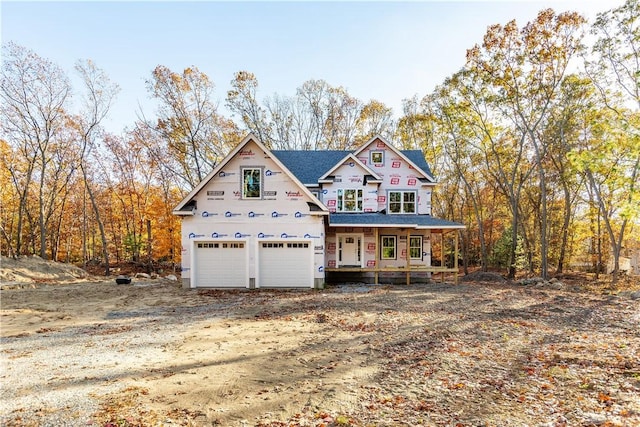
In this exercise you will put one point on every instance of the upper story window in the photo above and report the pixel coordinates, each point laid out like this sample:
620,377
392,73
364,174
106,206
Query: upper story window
402,202
377,158
350,200
251,183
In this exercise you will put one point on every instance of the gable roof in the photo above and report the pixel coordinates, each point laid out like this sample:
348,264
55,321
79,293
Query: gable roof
356,161
417,158
310,166
179,210
401,153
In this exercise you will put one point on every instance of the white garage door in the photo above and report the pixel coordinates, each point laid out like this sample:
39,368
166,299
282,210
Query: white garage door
286,264
221,265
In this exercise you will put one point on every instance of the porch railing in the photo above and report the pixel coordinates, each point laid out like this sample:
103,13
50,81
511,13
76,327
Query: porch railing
412,268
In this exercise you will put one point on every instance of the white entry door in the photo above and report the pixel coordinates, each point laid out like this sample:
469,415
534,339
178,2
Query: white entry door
349,250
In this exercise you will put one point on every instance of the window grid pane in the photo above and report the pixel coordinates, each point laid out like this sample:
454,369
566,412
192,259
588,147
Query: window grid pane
388,247
402,202
251,183
415,247
350,200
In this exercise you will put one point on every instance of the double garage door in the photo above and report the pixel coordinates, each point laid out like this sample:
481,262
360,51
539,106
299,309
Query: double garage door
278,264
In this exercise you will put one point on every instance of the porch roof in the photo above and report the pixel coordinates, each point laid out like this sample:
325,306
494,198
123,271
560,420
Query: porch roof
378,219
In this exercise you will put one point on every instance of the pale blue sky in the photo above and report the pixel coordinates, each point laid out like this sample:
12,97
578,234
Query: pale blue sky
377,50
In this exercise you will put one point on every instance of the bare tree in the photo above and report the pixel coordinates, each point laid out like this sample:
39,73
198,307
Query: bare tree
194,136
34,92
99,94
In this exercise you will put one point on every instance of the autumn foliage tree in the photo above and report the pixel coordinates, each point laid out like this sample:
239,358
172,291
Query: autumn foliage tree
535,142
34,94
193,136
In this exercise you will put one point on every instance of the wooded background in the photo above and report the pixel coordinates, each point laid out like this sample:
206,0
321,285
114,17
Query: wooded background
535,143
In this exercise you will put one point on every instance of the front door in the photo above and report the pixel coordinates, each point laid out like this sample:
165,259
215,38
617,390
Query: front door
349,250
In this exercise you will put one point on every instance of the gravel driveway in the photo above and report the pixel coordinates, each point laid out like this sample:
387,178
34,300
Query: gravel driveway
440,354
54,375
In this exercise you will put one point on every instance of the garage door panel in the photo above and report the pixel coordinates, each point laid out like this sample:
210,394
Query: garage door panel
286,264
221,265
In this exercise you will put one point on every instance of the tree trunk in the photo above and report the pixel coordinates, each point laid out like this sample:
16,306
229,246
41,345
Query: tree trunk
565,229
514,242
616,244
41,221
544,269
544,258
96,211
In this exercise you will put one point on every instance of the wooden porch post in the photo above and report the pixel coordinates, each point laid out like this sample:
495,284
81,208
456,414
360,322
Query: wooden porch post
408,257
377,255
443,263
455,254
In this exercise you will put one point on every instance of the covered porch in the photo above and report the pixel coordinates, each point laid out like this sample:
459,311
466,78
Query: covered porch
401,248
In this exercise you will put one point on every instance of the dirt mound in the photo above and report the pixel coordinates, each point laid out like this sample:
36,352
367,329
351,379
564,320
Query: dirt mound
483,276
33,269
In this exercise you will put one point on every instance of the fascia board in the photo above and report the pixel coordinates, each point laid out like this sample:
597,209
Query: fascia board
376,225
223,163
183,213
442,227
215,171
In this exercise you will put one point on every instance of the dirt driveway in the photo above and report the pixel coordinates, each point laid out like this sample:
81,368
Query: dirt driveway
152,353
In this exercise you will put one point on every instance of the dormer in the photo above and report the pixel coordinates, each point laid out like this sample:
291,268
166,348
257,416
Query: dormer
350,186
352,168
381,156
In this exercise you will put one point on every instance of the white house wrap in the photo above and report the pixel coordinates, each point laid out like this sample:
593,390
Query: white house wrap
286,218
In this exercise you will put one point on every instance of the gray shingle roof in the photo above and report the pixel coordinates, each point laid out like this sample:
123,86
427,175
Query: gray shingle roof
309,166
379,218
418,159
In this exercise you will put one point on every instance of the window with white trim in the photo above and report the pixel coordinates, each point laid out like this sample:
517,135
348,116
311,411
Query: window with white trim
251,183
415,247
402,202
388,247
377,158
349,200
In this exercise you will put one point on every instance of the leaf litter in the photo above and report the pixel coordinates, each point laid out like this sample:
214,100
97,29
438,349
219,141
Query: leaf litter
475,354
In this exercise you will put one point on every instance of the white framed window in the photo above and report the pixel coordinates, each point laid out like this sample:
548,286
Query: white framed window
349,200
415,247
376,158
388,246
402,202
251,183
